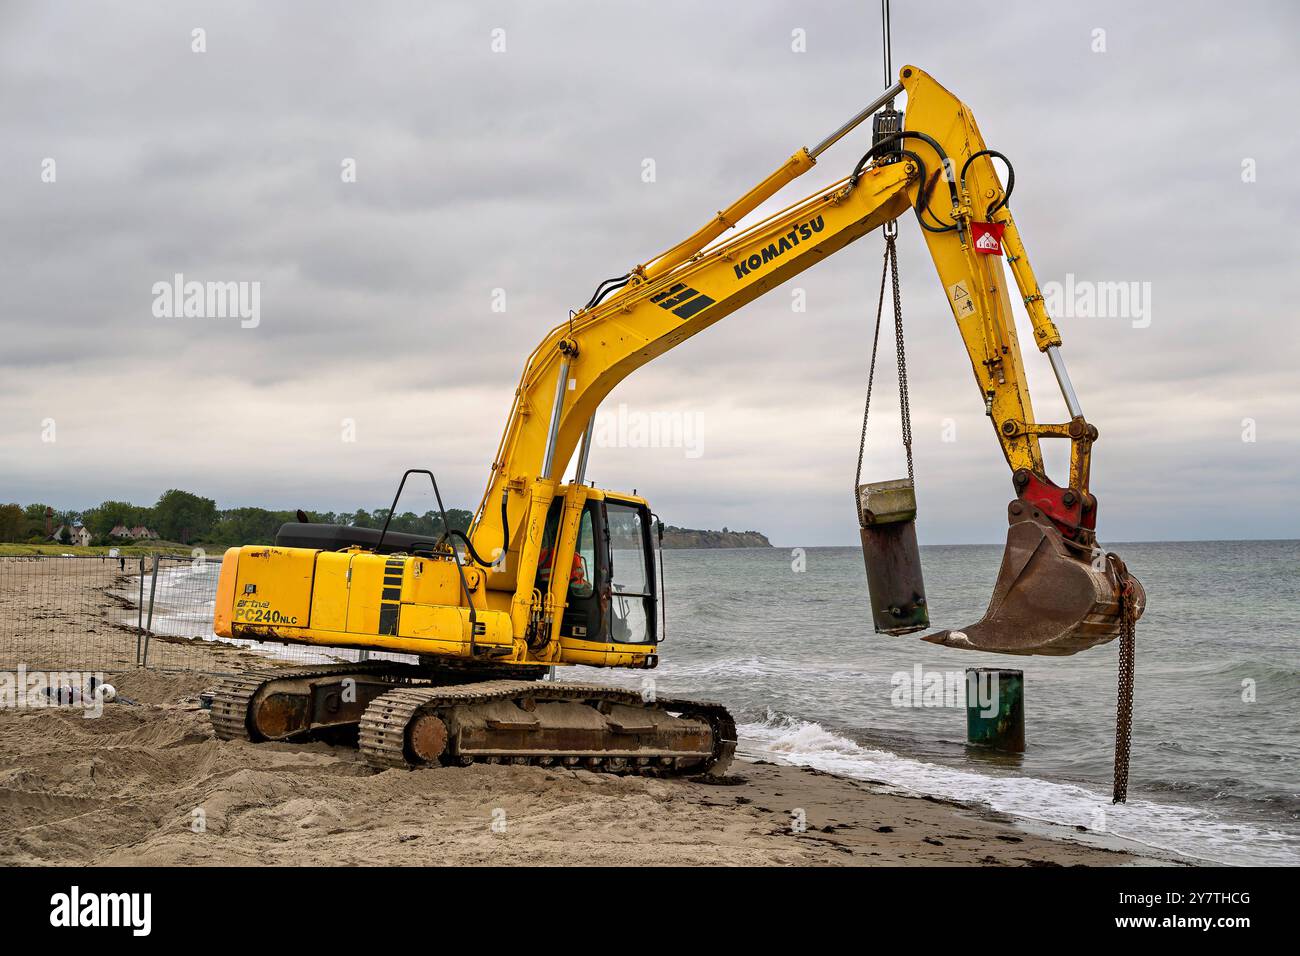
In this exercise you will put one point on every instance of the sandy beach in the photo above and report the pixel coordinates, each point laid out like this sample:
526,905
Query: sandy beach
148,783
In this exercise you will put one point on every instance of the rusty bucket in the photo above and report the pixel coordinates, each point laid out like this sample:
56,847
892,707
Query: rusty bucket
1052,596
887,515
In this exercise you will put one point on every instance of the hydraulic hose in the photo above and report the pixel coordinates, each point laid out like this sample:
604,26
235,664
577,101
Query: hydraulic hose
602,291
469,545
878,148
923,198
1011,178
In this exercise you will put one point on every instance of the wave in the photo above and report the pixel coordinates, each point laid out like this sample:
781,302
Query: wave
1259,671
1187,831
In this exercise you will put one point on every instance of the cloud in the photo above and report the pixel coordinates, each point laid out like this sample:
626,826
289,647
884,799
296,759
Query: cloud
521,171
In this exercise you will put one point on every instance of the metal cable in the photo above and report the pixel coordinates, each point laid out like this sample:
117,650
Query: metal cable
871,377
885,41
889,269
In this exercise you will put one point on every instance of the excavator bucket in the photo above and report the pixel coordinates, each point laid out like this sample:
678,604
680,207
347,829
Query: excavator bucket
1050,596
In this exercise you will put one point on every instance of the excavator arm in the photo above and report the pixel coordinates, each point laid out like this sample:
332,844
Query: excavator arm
937,167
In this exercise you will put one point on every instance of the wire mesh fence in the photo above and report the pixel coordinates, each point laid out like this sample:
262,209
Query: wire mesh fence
111,614
61,612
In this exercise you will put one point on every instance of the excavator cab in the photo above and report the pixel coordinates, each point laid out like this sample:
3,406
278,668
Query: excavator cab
611,596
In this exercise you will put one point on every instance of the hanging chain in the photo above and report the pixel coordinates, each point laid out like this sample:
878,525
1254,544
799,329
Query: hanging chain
889,269
904,404
871,377
1127,672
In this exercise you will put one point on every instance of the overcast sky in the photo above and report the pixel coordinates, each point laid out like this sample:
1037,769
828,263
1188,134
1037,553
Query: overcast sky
522,171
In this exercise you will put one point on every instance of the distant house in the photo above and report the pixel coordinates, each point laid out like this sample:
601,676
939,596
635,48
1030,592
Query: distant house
120,531
76,534
140,533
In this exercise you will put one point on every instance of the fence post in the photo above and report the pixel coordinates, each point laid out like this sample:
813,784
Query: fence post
148,629
139,615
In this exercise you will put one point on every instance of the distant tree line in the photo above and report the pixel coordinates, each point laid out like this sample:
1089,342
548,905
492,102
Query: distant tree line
188,518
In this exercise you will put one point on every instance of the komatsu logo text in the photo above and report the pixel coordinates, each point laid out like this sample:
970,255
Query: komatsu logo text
775,250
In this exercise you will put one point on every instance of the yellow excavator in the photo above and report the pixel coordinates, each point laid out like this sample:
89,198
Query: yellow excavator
553,574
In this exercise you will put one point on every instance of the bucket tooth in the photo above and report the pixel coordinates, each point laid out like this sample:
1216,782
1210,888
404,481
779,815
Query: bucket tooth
1050,596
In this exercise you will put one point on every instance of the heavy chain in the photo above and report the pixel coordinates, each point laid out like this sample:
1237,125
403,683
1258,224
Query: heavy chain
871,377
1127,670
904,405
889,269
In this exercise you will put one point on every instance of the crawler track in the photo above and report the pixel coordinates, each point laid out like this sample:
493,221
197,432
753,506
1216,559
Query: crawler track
386,725
430,717
234,695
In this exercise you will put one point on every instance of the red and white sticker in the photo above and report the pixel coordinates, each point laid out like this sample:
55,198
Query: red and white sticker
987,237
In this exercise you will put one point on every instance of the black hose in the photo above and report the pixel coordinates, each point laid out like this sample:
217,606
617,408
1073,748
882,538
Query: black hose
455,556
602,291
1011,178
922,197
469,545
876,150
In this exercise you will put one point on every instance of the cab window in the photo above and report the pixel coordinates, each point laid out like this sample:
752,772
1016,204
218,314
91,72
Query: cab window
631,593
582,582
583,568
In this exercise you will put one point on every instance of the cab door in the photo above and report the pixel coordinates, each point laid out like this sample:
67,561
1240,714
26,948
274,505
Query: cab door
628,596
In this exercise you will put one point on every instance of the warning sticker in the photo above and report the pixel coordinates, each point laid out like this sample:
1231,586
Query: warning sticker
962,303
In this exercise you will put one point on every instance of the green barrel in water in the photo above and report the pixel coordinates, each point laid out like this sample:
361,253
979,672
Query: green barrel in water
995,708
